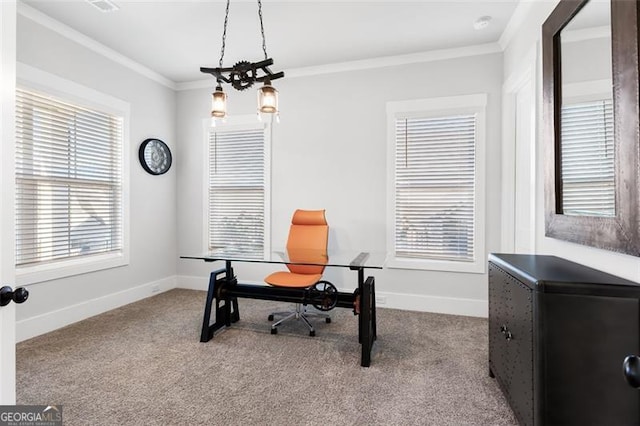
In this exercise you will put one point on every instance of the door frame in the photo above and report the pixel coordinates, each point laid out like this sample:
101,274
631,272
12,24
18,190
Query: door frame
8,22
517,81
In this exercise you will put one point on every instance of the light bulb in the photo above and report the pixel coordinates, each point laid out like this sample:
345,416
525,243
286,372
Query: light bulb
218,103
268,99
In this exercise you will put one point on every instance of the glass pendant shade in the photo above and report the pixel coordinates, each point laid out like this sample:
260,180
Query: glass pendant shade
268,99
219,103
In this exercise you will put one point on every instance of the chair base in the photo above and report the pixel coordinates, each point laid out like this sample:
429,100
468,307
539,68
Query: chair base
300,314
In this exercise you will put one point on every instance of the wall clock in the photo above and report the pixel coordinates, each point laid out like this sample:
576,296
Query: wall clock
155,156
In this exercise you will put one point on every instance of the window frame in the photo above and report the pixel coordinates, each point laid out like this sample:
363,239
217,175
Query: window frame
238,122
440,107
590,91
30,78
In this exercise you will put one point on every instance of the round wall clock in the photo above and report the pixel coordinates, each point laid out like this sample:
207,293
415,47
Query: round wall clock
155,156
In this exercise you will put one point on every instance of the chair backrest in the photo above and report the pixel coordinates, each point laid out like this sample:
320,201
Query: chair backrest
307,242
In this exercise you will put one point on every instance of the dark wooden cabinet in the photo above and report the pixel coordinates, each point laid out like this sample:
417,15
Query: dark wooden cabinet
511,340
558,335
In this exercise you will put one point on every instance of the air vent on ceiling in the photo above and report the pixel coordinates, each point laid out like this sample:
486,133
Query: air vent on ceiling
104,5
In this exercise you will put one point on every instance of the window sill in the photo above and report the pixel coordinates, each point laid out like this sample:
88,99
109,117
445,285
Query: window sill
66,268
436,265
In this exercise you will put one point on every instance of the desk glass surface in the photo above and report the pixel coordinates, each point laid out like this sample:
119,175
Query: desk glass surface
339,258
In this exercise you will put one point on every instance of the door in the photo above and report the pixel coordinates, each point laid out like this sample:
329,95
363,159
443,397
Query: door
518,158
7,190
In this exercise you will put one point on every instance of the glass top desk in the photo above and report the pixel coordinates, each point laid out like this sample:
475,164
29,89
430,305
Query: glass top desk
224,289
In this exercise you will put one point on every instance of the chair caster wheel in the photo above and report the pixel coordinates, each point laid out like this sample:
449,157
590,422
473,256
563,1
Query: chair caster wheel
312,333
274,331
270,317
327,320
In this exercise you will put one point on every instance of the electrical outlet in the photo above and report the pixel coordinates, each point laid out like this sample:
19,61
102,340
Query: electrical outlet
381,300
155,288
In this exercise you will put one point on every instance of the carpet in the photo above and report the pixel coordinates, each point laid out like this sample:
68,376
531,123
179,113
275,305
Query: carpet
143,364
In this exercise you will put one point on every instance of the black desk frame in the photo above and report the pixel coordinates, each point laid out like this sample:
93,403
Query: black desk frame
224,291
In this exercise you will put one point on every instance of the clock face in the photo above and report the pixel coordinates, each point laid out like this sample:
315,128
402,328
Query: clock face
155,156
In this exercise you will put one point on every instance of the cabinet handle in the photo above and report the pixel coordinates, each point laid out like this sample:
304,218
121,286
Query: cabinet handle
631,371
505,330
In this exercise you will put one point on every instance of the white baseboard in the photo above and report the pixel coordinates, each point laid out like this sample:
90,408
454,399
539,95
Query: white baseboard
192,283
404,301
44,323
435,304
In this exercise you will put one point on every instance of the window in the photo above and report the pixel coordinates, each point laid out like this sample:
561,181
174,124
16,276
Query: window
437,191
238,188
70,186
588,178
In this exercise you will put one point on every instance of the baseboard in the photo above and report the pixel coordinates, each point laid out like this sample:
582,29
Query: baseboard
189,282
435,304
41,324
44,323
404,301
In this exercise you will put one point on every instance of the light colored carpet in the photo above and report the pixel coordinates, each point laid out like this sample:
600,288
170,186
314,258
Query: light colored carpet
143,364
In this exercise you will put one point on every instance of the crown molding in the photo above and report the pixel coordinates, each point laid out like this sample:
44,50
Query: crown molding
516,21
380,62
76,36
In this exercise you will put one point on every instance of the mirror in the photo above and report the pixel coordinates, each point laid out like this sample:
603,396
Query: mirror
591,124
586,114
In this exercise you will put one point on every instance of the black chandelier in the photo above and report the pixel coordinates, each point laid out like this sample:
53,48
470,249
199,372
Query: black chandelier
243,75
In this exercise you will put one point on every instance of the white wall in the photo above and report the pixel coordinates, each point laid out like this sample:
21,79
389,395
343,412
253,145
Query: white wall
153,240
528,36
329,152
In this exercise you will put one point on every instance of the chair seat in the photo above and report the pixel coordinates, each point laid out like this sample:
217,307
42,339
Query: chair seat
290,279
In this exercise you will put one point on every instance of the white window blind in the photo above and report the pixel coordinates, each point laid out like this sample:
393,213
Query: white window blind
435,187
237,190
68,180
588,178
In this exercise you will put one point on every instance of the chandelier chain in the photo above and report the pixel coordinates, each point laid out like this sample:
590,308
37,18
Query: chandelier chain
264,43
224,33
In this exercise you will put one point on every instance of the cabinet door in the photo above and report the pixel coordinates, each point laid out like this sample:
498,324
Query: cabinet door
499,306
520,350
586,340
511,340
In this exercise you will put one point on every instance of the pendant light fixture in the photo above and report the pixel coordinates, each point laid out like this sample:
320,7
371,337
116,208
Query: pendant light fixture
219,103
268,99
243,75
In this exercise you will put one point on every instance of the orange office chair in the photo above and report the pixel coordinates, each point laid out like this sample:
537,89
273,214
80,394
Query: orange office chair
307,242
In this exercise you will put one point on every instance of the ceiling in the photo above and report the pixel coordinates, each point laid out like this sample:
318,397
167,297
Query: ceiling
176,38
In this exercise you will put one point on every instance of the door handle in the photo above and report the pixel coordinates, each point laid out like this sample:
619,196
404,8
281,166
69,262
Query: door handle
631,371
19,295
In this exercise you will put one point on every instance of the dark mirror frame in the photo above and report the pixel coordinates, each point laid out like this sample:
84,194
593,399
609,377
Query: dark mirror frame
622,232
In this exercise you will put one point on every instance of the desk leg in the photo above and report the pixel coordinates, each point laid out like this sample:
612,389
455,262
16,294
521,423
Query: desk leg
235,312
227,306
207,328
373,311
225,309
360,291
367,320
231,304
